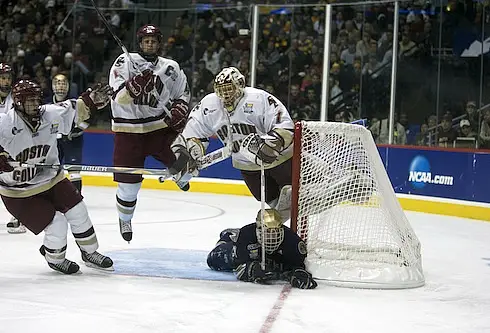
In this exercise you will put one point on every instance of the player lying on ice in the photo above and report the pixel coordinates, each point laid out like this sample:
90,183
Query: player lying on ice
240,250
42,198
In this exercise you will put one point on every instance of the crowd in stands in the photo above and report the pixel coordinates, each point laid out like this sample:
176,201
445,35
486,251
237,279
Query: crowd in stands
39,39
290,64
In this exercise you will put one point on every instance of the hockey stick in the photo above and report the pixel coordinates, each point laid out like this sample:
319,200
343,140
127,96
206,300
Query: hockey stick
125,50
95,168
262,212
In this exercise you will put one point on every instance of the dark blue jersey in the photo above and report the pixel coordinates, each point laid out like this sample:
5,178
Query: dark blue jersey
238,246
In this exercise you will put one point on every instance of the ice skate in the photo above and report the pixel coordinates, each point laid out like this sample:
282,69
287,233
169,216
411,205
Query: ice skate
126,230
15,227
97,260
66,267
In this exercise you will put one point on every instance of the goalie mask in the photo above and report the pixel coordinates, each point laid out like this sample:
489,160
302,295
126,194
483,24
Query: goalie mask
149,40
27,97
273,230
6,75
229,86
61,87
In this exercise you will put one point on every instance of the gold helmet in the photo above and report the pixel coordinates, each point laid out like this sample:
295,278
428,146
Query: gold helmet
61,87
228,86
273,230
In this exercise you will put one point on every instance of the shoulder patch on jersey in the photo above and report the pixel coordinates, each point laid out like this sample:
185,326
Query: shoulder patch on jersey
54,128
302,247
207,111
119,61
248,108
272,101
171,72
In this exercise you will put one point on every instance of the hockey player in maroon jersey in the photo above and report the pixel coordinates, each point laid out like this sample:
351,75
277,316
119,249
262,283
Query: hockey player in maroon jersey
149,108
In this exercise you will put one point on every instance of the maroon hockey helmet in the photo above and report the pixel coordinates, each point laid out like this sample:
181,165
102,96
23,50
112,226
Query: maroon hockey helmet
27,97
6,76
149,30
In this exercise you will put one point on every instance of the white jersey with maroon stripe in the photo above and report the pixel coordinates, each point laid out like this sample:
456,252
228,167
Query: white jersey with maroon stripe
30,145
69,110
256,112
147,113
7,103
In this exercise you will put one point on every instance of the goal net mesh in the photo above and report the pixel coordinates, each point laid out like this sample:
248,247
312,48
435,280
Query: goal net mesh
355,229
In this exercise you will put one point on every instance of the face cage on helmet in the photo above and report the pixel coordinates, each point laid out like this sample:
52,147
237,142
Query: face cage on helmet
30,107
273,237
230,93
5,88
150,56
61,89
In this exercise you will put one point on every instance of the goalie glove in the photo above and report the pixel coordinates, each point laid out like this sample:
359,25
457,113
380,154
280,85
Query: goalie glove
302,279
252,272
264,149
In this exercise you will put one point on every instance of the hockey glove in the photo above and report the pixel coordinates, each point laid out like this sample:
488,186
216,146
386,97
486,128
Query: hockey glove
252,272
302,279
257,150
140,84
5,160
98,98
75,133
180,113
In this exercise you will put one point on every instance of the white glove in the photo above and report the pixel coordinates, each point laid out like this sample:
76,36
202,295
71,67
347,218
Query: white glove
258,150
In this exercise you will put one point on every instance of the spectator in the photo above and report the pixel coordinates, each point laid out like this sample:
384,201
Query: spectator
447,134
422,137
485,131
380,131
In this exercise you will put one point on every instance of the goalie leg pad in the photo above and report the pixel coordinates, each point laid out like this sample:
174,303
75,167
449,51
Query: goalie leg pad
82,228
283,203
55,239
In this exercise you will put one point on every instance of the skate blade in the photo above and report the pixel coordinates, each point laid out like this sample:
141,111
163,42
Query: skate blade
89,264
16,230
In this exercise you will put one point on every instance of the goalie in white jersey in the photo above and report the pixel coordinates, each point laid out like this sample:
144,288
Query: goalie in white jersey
6,103
70,146
149,108
42,198
253,115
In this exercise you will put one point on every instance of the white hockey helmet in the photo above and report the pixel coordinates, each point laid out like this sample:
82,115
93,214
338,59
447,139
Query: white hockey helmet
61,87
273,230
6,77
229,85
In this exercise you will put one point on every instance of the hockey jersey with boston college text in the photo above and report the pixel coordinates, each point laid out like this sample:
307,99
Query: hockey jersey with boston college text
257,112
39,145
146,113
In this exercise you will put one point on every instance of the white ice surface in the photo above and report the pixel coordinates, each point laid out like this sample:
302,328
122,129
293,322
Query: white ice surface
456,297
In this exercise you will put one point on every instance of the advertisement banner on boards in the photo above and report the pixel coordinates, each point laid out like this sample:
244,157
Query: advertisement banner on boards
430,172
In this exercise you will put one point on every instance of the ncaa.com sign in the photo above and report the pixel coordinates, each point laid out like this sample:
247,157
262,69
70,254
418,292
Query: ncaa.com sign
420,174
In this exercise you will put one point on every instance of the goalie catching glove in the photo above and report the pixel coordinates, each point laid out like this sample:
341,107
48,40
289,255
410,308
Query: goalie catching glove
266,149
252,272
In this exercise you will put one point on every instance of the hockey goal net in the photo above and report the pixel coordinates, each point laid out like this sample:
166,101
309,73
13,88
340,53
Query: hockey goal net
345,208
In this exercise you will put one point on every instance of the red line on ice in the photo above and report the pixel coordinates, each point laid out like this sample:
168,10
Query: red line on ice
276,309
